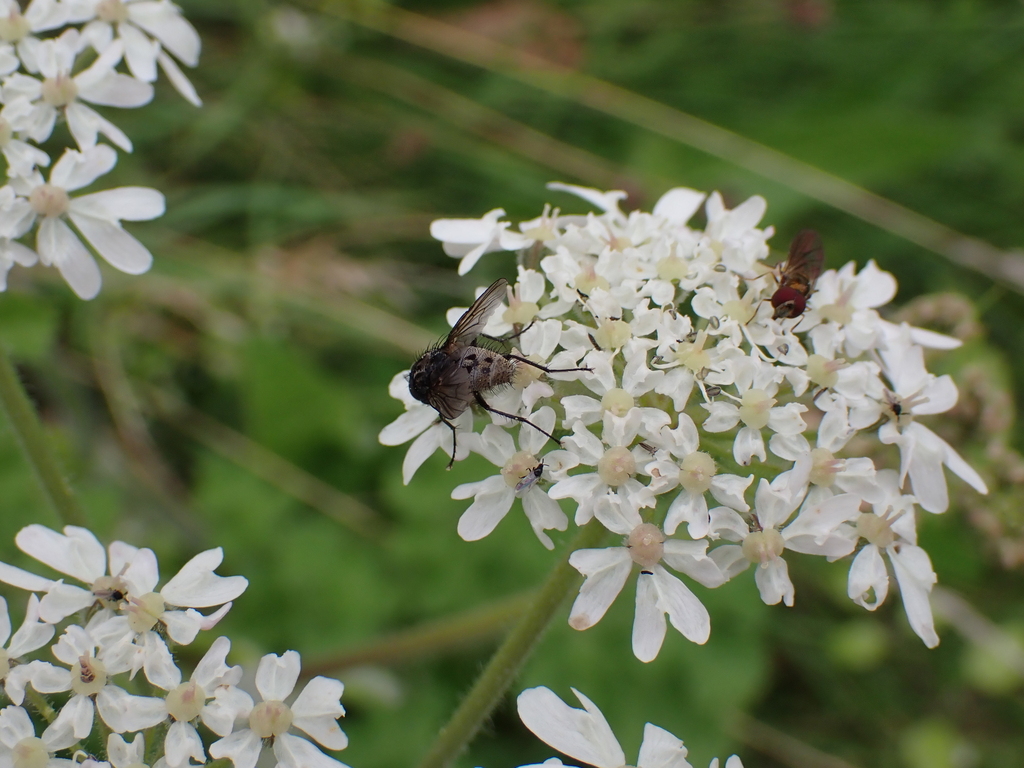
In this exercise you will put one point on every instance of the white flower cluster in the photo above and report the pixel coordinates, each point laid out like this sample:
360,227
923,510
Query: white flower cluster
585,735
697,395
125,625
44,79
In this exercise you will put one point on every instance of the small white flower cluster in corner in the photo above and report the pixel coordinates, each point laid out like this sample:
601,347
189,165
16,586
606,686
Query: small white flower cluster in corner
128,623
58,57
585,735
702,412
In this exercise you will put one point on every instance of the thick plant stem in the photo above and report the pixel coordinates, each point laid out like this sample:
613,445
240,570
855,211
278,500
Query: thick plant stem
503,667
25,423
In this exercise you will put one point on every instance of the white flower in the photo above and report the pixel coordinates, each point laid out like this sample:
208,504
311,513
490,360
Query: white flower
22,157
841,314
96,216
315,711
124,755
819,529
421,424
18,740
469,239
194,586
615,466
757,383
32,635
16,28
77,553
520,475
695,474
890,530
145,28
90,681
657,591
60,92
210,695
585,735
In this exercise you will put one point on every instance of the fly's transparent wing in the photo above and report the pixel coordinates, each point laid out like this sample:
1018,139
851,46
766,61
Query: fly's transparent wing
806,258
472,323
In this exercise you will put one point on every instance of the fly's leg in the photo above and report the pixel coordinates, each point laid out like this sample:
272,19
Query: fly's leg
511,336
544,368
451,426
521,419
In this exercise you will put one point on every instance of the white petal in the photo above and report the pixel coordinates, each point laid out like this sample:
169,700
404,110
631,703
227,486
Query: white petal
493,500
276,675
125,712
165,22
139,52
679,204
773,582
116,90
321,697
730,490
15,725
685,611
324,729
84,124
649,625
182,743
606,201
228,705
867,575
914,573
16,577
75,552
544,513
197,586
75,170
59,246
583,735
123,754
606,571
407,426
32,633
660,749
178,79
690,508
120,249
76,715
44,677
748,444
294,752
241,747
159,665
121,203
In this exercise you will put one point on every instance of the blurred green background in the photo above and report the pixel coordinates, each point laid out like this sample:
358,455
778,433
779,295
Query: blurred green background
232,397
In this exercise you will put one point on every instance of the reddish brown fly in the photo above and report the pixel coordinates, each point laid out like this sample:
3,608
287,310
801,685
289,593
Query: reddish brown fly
798,275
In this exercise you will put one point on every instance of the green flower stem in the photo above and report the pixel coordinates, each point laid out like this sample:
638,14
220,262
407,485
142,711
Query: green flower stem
503,667
34,444
39,703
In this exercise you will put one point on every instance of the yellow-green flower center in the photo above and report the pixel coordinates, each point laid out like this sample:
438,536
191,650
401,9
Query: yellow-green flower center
756,408
186,701
616,466
88,676
519,466
646,545
696,472
763,546
270,718
617,401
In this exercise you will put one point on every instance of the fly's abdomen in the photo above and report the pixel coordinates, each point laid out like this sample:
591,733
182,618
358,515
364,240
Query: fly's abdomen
486,368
